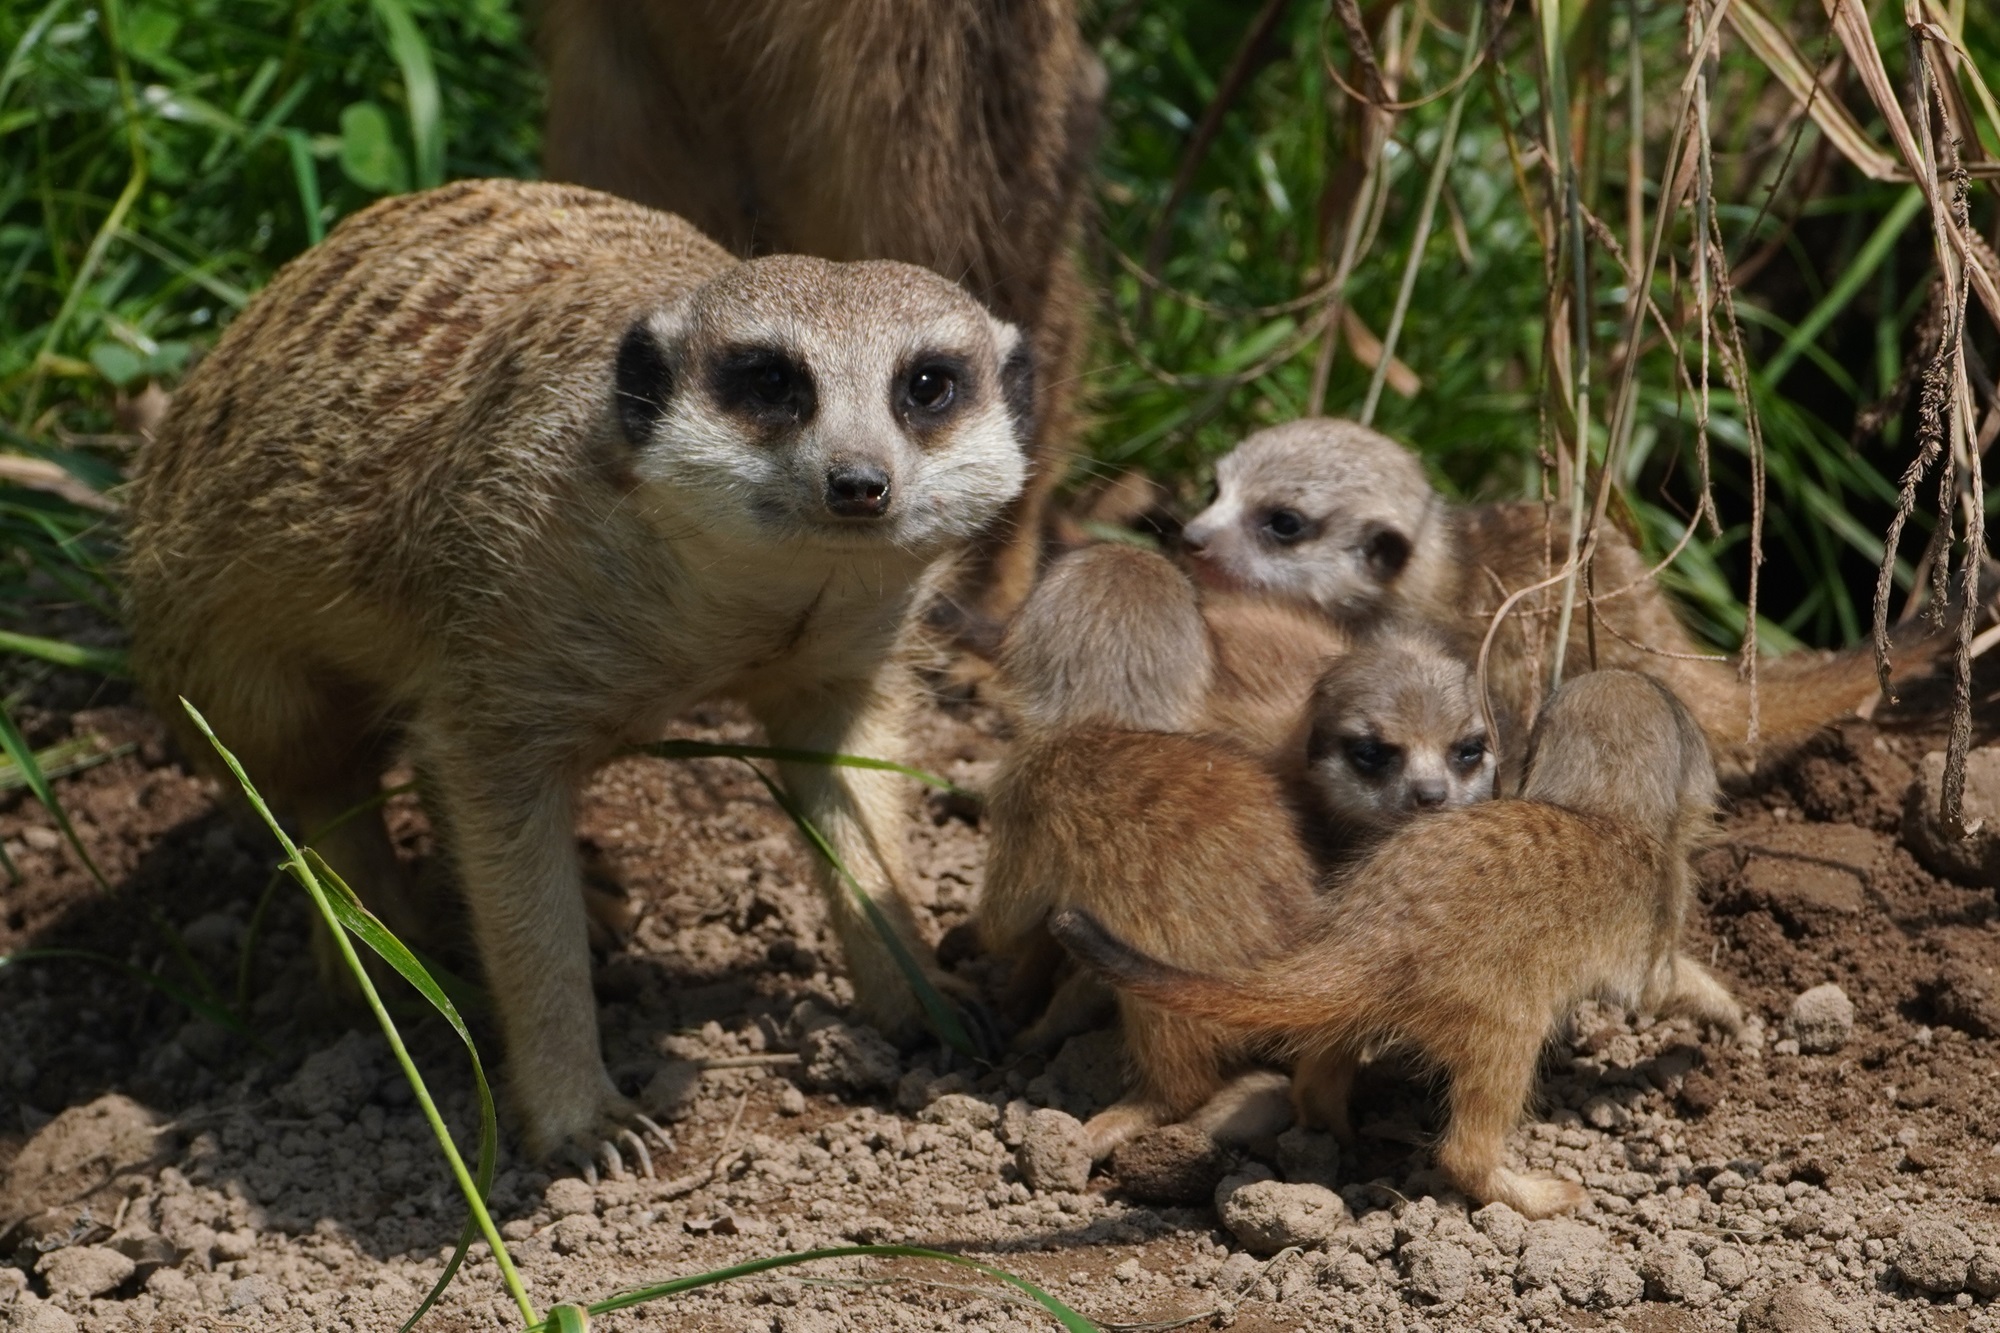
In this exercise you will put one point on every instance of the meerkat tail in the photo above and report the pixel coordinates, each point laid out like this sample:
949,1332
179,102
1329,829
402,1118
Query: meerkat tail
1258,1002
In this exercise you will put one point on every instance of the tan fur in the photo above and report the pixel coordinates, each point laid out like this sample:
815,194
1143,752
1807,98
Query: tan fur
1472,933
956,134
1395,730
1268,655
1183,840
1377,542
417,496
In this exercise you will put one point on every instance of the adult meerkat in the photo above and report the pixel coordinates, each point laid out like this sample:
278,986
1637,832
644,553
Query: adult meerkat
1107,800
1472,933
513,473
1394,731
956,134
1338,517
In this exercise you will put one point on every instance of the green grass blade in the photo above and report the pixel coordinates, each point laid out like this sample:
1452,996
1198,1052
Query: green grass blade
302,870
708,750
16,747
939,1013
104,661
1870,257
60,760
305,172
420,89
364,925
569,1319
214,1013
1063,1314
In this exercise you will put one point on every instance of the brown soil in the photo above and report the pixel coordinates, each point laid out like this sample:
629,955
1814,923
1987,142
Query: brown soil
204,1180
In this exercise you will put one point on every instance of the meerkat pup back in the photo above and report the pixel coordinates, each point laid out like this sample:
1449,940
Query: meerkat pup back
1472,933
1107,801
506,475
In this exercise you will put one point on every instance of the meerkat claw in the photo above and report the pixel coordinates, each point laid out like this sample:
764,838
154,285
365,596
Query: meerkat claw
614,1162
579,1161
638,1147
651,1126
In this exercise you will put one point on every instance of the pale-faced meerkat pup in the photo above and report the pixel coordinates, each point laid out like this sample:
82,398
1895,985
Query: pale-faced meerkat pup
1394,731
956,134
1338,517
512,474
1473,933
1107,801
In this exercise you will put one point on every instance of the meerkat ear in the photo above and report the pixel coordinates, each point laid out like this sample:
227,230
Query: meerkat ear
1017,377
643,382
1386,551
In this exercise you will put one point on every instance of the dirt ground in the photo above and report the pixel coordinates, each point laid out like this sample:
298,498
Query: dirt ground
1811,1177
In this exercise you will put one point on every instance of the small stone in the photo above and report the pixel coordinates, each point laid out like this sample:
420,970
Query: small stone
845,1057
570,1197
958,1108
574,1233
1014,1121
1176,1164
1054,1154
1507,1229
1728,1267
85,1270
1267,1215
1618,1283
1439,1271
1822,1019
1671,1271
1309,1157
1975,858
791,1101
29,1315
1982,1275
673,1090
1806,1308
1935,1257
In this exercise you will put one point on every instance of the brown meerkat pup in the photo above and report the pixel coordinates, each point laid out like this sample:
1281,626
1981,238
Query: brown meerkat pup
1336,516
1473,933
1268,655
1394,731
956,134
511,474
1108,801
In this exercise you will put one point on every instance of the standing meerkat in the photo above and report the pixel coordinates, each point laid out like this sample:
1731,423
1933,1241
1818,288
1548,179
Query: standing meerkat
1394,730
1472,933
513,473
955,134
1107,801
1338,517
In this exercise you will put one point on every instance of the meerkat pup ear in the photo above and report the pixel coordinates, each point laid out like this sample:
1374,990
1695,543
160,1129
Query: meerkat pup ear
1017,377
643,381
1386,550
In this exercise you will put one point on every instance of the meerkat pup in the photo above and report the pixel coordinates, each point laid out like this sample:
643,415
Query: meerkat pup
1473,933
1335,516
1268,654
1108,801
509,474
1394,730
956,134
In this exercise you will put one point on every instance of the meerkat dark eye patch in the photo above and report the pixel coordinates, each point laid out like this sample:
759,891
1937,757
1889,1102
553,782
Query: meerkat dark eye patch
1287,527
1386,551
1368,756
767,384
927,388
643,383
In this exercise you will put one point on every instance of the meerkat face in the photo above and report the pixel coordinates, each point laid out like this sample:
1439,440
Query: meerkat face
1397,731
1320,511
797,400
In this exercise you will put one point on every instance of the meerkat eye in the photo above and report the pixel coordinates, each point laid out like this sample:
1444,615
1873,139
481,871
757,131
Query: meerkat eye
1285,526
1368,755
931,387
770,383
1469,753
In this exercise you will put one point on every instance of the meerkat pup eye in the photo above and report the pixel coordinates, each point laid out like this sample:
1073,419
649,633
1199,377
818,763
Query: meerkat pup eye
1369,756
1469,754
931,386
766,383
1286,526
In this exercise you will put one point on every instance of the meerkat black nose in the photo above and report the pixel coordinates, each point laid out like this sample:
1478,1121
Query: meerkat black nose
1429,795
857,490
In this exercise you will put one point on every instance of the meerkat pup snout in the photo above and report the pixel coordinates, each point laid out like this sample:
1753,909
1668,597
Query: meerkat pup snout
1340,518
1473,933
507,475
1395,731
1108,801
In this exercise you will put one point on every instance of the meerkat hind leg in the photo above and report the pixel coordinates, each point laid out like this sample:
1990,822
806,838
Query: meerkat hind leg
1322,1087
1489,1088
1697,994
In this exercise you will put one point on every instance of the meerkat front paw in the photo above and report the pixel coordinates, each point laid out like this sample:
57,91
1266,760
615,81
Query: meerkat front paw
588,1133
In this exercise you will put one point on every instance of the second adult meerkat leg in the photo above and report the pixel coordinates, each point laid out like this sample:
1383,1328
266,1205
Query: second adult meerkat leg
861,814
512,816
1490,1083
